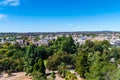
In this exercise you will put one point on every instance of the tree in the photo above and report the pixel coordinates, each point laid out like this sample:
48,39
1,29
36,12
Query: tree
62,69
39,71
65,44
89,43
57,58
56,46
100,66
68,45
82,65
5,64
88,46
105,44
42,52
116,75
70,76
98,48
100,71
31,57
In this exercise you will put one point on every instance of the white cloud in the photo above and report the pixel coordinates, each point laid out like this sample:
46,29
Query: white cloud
3,17
79,27
70,24
10,3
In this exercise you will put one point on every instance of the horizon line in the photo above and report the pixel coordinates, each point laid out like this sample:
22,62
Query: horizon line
58,31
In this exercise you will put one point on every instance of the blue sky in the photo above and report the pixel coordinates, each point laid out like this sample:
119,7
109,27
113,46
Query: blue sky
59,15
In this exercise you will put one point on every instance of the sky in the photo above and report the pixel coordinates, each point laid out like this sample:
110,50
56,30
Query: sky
59,15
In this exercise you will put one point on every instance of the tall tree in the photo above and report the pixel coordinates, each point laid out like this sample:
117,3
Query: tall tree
39,71
82,65
31,57
68,45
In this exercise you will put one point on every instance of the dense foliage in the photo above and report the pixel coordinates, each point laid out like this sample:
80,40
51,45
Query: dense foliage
11,58
39,71
97,60
93,60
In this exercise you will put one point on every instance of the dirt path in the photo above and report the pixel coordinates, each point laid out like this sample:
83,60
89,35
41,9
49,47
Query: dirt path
21,76
16,76
58,77
78,77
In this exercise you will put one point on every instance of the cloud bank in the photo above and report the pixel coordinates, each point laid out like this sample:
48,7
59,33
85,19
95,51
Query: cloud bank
10,3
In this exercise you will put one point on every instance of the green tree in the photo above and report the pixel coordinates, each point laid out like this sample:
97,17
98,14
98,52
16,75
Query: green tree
82,65
31,57
62,69
57,58
68,45
101,71
70,76
39,71
116,75
6,64
42,52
